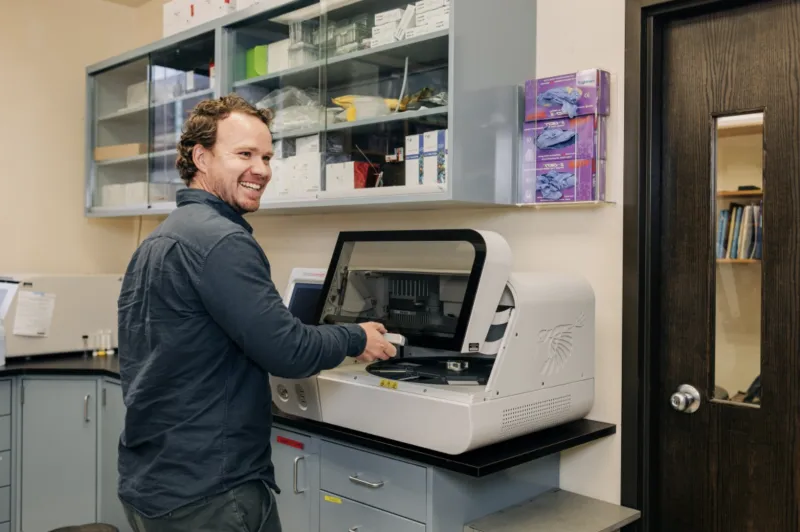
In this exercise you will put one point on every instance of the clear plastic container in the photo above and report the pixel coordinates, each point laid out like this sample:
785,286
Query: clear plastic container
370,107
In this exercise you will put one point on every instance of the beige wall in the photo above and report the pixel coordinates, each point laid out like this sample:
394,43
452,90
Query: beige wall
587,241
44,58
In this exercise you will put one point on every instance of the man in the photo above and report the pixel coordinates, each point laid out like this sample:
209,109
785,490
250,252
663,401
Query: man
200,326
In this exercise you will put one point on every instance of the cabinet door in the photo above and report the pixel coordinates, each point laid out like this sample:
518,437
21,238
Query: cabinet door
112,410
296,461
59,453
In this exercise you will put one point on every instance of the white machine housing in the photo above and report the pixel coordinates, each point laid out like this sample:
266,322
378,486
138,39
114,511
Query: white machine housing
542,374
83,305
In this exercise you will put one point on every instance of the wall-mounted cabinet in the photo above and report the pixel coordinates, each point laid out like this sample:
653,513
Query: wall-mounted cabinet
377,103
137,108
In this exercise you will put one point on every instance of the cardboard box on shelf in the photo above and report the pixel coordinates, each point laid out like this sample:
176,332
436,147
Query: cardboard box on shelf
414,160
583,137
585,92
385,17
434,165
578,180
408,21
119,151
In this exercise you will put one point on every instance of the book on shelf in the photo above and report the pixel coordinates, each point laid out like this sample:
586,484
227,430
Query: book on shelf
739,231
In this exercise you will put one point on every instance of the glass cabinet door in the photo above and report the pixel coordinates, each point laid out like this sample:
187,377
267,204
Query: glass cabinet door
276,63
120,131
180,78
386,81
359,91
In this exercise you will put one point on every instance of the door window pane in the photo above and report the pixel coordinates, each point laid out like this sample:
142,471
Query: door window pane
739,189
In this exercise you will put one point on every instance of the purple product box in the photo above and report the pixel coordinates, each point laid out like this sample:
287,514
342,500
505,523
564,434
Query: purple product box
564,181
556,140
581,93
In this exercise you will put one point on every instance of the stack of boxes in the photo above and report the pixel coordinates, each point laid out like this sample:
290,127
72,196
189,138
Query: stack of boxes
414,20
180,15
267,59
296,168
426,158
564,138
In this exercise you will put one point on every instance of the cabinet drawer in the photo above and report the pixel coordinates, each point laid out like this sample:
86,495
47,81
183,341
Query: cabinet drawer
5,504
5,434
392,485
5,468
5,398
337,513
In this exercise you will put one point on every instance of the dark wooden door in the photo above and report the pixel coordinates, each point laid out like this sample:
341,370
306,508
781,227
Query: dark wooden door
729,305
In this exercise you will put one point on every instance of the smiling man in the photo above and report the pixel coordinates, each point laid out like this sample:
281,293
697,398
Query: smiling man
201,325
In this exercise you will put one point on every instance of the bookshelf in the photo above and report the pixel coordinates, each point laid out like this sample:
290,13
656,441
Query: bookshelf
738,261
740,194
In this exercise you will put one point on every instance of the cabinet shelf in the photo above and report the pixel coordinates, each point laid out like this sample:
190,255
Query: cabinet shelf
138,158
427,115
738,261
139,110
419,114
353,66
740,193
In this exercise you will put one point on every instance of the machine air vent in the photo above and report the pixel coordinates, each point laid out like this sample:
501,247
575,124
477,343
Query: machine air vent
301,395
540,414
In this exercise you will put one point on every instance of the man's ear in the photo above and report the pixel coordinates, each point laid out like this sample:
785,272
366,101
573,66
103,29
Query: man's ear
200,158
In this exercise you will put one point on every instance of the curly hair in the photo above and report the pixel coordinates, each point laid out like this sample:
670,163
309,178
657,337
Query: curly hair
201,128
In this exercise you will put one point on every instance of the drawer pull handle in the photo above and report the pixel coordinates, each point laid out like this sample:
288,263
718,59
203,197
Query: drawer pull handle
294,483
373,485
352,529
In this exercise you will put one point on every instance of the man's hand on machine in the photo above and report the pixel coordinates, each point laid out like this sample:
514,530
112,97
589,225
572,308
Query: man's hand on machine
378,347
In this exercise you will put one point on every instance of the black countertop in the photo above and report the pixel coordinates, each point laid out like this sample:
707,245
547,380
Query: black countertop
107,366
476,463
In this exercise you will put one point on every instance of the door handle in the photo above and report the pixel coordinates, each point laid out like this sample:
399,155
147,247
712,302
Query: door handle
294,481
686,399
373,485
86,408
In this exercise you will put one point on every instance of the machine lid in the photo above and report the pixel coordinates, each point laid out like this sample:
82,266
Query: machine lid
419,283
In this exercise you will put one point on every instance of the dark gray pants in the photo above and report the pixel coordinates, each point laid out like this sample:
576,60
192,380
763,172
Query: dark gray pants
250,507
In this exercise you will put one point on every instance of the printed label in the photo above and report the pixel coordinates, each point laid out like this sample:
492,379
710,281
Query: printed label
386,383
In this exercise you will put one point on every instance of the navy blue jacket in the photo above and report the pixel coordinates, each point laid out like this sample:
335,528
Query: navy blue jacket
201,325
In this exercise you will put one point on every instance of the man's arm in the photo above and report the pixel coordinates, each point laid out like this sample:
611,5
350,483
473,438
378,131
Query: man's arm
238,293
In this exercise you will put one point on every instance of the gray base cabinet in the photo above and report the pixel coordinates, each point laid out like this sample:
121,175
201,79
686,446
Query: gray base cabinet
359,490
296,460
112,417
59,453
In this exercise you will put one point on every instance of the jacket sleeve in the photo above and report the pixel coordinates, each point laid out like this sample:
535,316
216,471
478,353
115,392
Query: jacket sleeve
238,293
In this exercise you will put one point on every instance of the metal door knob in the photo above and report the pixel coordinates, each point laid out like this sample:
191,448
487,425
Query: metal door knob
686,399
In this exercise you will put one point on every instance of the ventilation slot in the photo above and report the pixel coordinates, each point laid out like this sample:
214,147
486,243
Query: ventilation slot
301,395
540,414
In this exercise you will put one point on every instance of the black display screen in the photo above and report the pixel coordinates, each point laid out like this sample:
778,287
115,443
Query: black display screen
303,303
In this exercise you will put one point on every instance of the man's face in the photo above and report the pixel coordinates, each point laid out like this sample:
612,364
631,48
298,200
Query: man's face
237,168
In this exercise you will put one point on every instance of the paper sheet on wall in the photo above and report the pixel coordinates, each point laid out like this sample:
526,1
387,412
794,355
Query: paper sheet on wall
34,313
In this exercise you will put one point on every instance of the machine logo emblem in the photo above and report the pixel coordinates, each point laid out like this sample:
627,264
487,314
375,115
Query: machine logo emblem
558,342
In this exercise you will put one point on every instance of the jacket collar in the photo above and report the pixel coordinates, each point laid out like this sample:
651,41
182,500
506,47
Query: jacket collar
188,196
